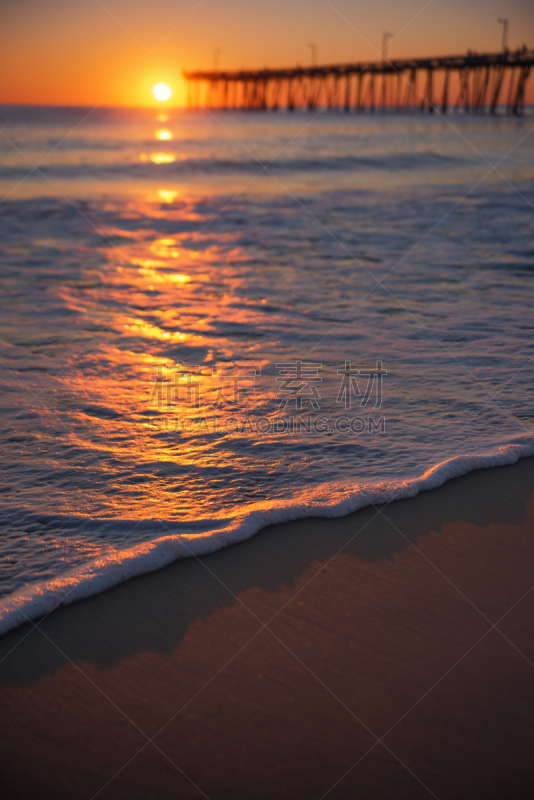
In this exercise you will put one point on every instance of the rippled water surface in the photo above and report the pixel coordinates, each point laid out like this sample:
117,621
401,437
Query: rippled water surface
158,273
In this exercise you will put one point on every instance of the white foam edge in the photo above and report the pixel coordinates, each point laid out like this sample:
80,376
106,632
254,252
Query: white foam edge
36,600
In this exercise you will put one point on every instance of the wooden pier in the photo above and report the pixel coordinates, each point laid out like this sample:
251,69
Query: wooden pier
475,83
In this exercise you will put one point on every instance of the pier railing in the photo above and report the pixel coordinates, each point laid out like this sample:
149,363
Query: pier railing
475,83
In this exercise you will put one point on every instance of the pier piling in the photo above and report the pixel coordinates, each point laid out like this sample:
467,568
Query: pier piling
484,83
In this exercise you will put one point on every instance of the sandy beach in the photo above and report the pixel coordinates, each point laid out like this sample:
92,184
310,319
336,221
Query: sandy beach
387,654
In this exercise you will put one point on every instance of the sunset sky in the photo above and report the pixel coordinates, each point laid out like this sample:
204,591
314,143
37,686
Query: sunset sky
87,52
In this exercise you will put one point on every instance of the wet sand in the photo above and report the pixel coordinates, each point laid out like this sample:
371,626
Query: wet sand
387,654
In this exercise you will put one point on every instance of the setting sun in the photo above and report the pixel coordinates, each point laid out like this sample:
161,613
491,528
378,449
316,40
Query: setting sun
161,92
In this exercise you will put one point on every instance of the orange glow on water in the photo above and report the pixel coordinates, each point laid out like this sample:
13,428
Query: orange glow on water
162,158
167,195
165,247
158,158
178,308
164,135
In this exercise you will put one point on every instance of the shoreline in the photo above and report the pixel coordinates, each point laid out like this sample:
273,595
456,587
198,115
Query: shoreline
382,654
35,600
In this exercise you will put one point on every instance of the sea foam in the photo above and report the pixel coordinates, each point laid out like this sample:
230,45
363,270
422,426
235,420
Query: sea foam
329,500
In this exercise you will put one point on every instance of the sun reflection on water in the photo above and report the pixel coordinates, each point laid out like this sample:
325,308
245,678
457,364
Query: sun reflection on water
158,158
164,135
167,195
155,312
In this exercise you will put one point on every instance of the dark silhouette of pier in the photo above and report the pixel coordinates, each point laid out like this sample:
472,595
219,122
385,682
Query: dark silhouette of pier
474,83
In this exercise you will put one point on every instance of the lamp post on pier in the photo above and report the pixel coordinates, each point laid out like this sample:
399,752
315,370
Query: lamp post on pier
313,48
386,37
504,23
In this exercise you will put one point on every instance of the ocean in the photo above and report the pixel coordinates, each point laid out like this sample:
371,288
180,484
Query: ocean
216,321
